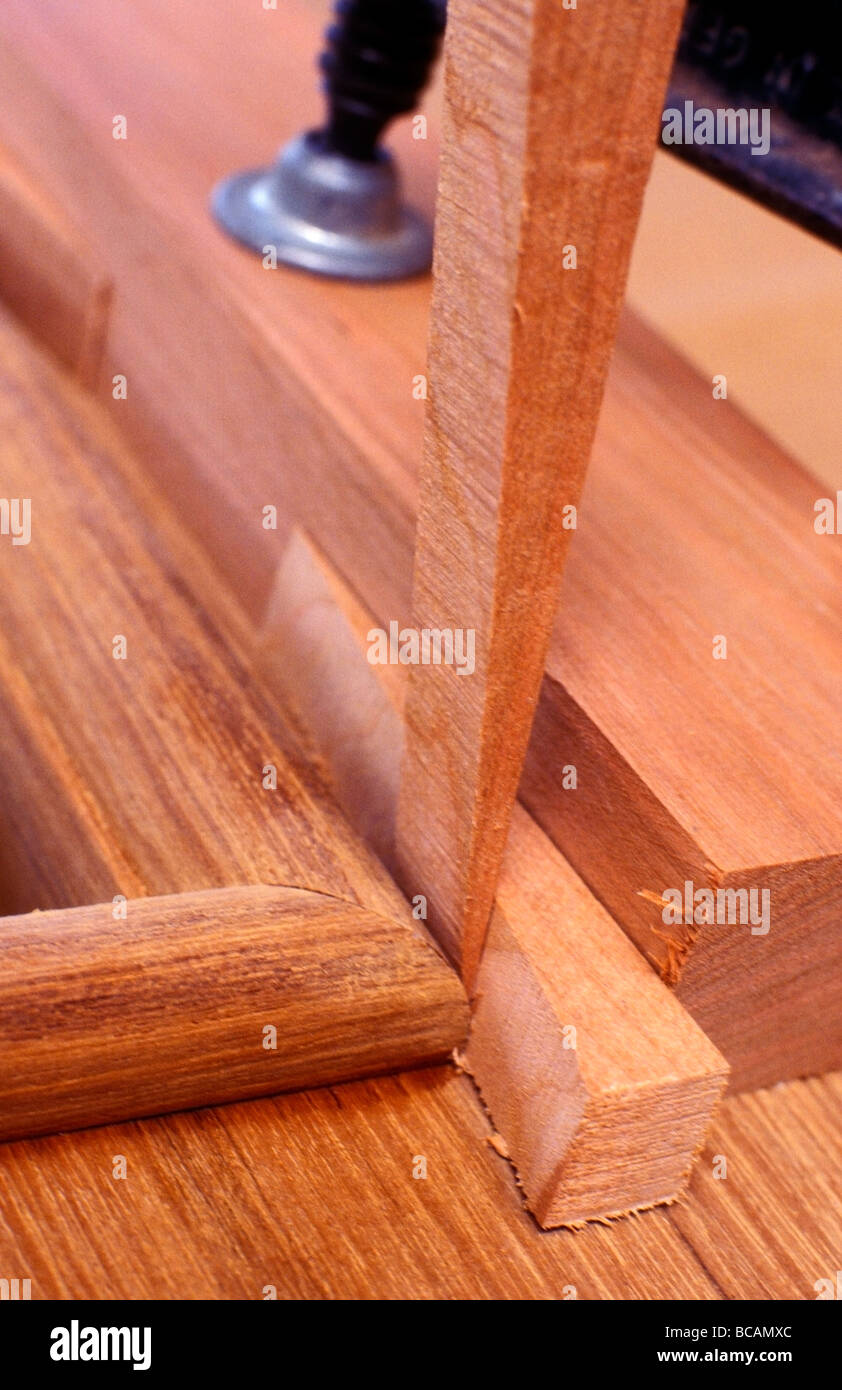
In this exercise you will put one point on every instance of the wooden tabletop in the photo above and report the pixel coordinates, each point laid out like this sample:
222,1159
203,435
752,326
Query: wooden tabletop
313,1194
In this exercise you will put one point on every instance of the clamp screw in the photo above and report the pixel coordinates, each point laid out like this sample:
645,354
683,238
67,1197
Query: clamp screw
331,203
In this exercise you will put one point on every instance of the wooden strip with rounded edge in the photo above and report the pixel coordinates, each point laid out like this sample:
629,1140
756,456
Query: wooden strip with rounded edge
175,1006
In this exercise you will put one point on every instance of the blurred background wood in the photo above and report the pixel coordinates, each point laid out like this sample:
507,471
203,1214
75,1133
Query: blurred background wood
742,292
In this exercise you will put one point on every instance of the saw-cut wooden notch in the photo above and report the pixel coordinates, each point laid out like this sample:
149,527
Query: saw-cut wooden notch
599,1083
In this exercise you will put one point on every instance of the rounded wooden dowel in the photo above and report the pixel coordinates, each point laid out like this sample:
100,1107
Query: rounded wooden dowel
199,998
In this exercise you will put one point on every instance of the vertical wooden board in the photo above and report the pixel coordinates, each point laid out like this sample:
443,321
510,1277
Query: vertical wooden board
549,131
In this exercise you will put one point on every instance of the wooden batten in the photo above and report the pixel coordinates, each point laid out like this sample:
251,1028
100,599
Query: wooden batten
599,1081
550,117
169,1003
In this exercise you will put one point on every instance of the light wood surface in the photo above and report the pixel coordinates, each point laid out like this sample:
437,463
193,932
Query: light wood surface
743,292
235,401
275,388
313,1194
772,1219
200,998
546,141
151,766
157,768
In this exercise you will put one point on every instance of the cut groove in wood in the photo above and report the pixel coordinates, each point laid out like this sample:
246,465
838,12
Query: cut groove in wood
201,998
550,117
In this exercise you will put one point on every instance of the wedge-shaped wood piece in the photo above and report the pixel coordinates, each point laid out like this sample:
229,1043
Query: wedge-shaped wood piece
550,117
311,648
694,681
598,1080
206,997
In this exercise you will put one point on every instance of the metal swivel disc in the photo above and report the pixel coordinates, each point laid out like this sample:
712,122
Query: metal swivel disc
332,202
326,213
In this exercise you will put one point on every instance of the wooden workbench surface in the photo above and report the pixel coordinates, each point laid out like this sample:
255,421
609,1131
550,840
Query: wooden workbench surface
314,1194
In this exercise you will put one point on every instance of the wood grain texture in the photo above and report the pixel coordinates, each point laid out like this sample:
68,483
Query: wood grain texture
50,276
168,1007
158,765
774,301
717,772
600,1084
144,775
271,408
772,1219
547,139
297,392
313,1194
212,1201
